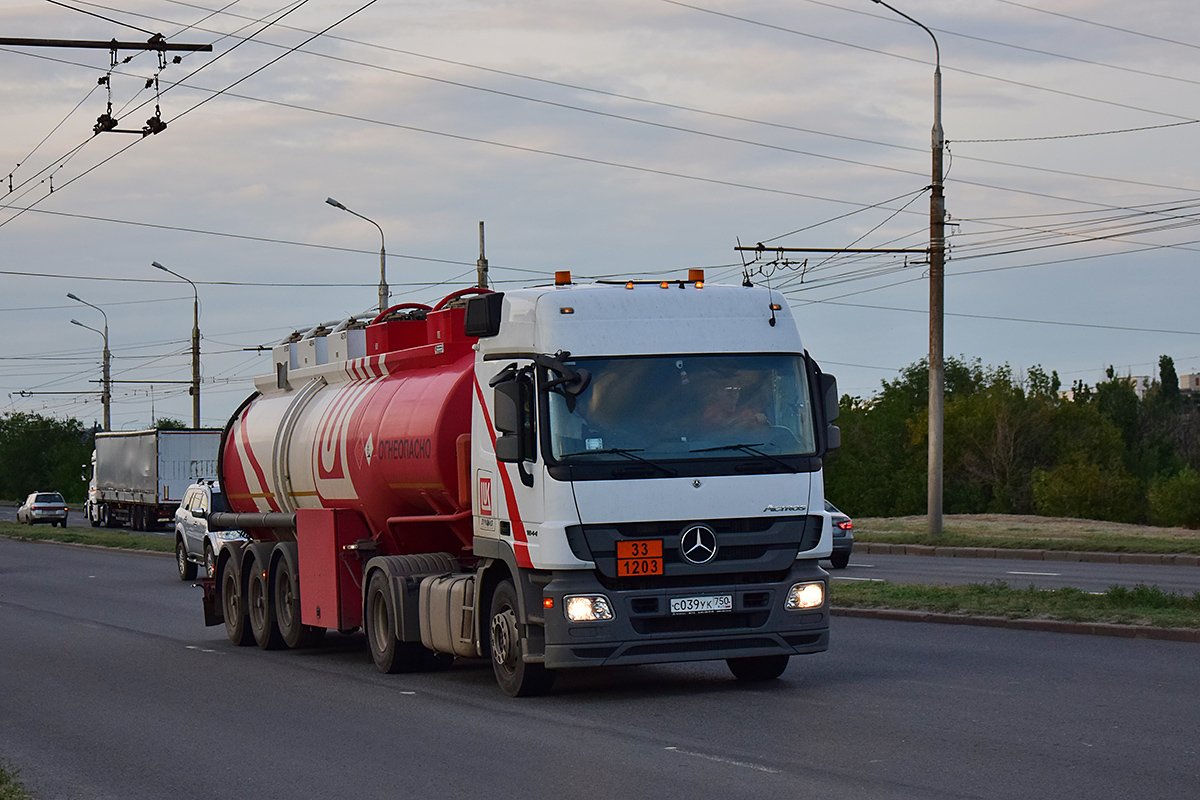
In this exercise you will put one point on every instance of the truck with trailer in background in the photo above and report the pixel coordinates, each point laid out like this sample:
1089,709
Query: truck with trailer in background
552,477
139,477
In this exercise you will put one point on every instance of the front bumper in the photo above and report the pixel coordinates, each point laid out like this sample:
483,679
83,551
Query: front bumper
643,630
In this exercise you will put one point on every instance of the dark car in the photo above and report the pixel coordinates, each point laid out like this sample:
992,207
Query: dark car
43,507
843,536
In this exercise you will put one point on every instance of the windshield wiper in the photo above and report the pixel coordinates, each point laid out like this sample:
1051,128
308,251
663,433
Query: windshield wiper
748,448
628,453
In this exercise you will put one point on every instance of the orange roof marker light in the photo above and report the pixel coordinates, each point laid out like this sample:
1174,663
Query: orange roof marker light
665,285
628,284
562,277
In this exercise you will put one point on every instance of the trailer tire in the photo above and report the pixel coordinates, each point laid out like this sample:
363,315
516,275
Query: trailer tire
237,624
295,634
515,677
758,668
187,570
260,606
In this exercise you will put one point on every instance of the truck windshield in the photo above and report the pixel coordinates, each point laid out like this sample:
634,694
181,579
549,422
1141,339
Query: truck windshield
684,407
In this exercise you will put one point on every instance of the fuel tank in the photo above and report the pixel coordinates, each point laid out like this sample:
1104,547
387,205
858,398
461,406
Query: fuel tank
374,418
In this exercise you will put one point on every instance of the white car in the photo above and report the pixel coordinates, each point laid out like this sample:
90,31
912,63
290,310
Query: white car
195,544
43,507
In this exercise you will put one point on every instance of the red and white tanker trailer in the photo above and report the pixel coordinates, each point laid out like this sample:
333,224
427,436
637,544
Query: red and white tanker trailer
553,477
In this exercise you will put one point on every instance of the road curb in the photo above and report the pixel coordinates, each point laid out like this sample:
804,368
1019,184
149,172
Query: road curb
1168,560
1191,635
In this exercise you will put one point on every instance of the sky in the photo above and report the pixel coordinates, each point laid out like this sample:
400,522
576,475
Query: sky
624,138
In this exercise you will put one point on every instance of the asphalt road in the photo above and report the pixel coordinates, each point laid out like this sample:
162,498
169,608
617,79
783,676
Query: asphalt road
110,687
1090,577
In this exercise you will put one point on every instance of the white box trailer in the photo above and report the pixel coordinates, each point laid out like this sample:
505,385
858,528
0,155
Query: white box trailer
139,477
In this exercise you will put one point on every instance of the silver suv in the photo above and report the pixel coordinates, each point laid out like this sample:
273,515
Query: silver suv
195,544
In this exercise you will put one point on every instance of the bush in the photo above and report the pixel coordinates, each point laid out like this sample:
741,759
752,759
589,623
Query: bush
1175,501
1082,489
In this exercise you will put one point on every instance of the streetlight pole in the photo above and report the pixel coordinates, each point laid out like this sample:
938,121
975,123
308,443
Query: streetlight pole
194,391
106,374
937,279
383,287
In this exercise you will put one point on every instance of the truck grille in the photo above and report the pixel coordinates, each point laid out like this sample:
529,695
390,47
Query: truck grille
749,545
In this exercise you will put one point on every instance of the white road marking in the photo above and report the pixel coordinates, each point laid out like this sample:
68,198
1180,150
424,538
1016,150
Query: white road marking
867,580
1043,574
722,760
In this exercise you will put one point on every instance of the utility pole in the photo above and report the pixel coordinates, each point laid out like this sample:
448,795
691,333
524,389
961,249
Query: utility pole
106,374
937,279
383,287
481,273
194,391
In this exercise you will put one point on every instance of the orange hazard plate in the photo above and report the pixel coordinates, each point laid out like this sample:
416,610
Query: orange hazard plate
642,557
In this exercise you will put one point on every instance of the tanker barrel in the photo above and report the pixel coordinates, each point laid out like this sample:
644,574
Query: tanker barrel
229,520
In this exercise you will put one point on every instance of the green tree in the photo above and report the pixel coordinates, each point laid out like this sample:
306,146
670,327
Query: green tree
1175,501
43,454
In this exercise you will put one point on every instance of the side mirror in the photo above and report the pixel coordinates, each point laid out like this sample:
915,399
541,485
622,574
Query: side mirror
199,513
482,318
833,437
509,442
829,392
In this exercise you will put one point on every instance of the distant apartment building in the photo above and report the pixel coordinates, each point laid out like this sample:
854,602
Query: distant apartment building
1190,383
1140,384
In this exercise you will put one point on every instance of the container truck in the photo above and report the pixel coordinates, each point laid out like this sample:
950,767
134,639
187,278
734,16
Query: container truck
139,477
553,477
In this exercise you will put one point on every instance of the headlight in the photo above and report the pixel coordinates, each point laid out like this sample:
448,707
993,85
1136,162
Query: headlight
587,608
805,595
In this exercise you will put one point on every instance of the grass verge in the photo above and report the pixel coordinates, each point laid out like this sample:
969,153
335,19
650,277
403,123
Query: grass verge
1029,532
101,537
10,787
1141,605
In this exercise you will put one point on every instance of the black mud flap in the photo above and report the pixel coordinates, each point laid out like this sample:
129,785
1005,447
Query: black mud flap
213,612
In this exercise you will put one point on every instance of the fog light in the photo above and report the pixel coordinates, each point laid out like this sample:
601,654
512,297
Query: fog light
805,595
587,608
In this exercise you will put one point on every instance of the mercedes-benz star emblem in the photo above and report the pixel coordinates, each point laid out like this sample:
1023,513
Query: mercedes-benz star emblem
698,544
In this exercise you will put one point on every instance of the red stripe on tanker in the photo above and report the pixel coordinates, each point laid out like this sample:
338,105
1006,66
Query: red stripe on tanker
520,540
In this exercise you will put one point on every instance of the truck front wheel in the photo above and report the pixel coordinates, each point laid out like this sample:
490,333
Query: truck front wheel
515,677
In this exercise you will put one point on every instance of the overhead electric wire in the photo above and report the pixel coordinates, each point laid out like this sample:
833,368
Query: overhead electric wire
692,131
911,59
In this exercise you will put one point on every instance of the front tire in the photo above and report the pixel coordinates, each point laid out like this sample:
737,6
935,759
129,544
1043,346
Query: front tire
758,668
187,570
515,677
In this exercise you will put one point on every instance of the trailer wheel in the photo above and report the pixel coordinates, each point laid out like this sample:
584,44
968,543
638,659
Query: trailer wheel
515,677
287,610
237,625
758,668
106,517
187,570
259,606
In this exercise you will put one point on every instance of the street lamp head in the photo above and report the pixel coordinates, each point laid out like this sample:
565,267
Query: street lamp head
335,204
73,297
157,265
77,322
